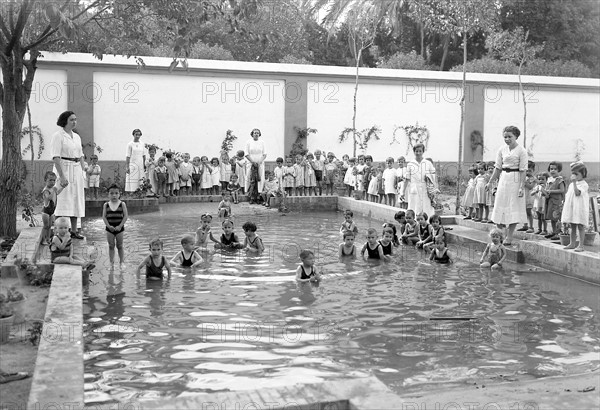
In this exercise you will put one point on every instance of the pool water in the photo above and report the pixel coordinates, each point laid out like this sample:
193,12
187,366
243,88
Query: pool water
242,322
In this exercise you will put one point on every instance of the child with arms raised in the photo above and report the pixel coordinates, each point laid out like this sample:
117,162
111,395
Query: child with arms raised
155,262
114,215
187,257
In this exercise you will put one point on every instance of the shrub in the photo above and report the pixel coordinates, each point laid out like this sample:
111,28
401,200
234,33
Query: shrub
488,65
538,66
291,59
198,50
406,61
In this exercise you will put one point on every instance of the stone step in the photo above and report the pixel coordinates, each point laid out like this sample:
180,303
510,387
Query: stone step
477,240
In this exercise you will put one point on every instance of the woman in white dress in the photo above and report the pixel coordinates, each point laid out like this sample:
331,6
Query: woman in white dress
67,154
511,164
255,153
414,186
135,160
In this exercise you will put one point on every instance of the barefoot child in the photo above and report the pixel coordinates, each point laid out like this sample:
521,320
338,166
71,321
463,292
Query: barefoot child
61,247
372,247
440,252
93,177
306,271
576,209
114,215
234,188
347,248
225,205
49,194
539,203
252,243
155,262
495,252
187,257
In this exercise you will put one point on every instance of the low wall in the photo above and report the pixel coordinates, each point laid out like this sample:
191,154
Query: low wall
134,205
308,203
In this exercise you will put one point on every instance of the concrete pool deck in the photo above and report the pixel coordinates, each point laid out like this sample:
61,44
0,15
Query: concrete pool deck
50,385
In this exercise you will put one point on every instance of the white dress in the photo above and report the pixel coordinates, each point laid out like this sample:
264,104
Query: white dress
71,201
389,181
256,151
417,197
576,209
509,207
135,152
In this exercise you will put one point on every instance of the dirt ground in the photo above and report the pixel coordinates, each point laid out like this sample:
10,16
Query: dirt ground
19,354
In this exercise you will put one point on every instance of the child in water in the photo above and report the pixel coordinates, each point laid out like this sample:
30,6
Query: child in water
114,214
228,240
348,224
61,247
307,272
372,247
203,232
347,248
386,243
494,253
440,252
155,262
187,257
252,243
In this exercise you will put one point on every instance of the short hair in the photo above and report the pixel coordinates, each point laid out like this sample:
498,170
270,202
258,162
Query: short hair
371,231
401,157
240,153
543,174
391,226
49,174
249,226
309,155
152,149
162,158
410,212
226,221
423,215
531,165
136,131
233,176
389,159
255,129
63,220
497,232
348,233
435,217
215,159
306,253
352,159
169,154
419,145
279,159
491,164
557,164
93,156
156,241
389,230
348,212
368,157
196,158
474,170
64,118
513,130
440,238
361,156
187,239
399,215
206,217
114,186
579,167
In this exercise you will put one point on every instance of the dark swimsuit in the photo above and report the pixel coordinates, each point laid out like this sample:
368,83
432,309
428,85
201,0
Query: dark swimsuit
441,259
186,262
351,252
304,275
114,218
153,271
49,210
65,251
373,253
387,249
233,242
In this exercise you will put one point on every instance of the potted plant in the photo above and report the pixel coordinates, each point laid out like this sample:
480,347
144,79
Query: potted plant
565,235
590,232
6,318
15,301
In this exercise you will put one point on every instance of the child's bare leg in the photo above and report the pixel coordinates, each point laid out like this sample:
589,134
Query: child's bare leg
487,212
581,230
110,238
120,248
529,217
46,231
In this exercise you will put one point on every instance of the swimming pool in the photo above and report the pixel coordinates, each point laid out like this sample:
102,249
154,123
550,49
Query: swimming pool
242,322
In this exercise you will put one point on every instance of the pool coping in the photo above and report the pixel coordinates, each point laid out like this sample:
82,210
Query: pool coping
58,376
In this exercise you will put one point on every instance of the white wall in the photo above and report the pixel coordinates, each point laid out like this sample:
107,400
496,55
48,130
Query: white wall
330,107
556,118
186,113
48,99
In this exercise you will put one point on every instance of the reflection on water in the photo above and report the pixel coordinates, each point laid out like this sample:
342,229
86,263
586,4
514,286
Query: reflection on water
242,322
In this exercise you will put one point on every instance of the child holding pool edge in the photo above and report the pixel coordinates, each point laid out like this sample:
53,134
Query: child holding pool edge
49,195
114,215
495,252
347,248
308,265
372,246
155,262
576,209
252,243
192,260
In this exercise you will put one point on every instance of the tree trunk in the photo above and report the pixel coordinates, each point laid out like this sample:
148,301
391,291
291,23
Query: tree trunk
358,56
462,122
445,53
422,39
524,107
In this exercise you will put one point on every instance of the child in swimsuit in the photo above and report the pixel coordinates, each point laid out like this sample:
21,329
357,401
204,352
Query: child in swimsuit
252,243
440,252
203,232
410,236
306,271
229,240
49,193
347,248
155,262
348,224
400,217
436,230
225,205
395,240
387,244
424,231
61,247
114,214
495,252
372,247
188,257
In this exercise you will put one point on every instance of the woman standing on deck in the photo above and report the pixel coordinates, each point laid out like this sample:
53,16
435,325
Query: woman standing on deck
255,153
511,164
135,161
67,154
415,182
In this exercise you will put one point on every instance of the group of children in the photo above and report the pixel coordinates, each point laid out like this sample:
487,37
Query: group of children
546,198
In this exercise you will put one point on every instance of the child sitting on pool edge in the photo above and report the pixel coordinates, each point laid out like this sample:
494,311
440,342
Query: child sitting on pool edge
187,257
252,243
155,262
225,205
306,271
61,247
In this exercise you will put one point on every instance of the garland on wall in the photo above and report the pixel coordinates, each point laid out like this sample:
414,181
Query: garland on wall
416,134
